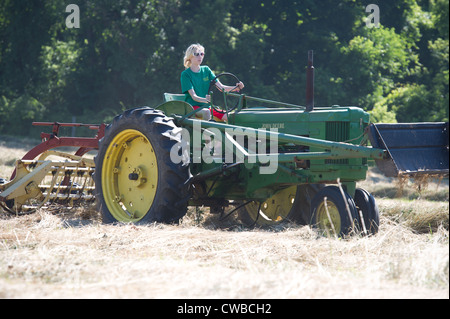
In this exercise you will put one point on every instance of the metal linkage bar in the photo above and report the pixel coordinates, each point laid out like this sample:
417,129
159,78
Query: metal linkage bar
333,150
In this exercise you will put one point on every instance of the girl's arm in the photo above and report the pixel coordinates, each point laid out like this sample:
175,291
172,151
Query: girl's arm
227,88
199,99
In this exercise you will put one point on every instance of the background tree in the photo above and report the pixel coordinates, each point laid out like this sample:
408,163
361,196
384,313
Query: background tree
127,53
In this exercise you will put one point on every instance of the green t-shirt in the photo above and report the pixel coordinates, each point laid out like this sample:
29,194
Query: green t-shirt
198,81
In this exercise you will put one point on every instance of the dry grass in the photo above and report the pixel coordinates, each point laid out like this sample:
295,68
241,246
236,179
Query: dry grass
12,149
52,256
71,254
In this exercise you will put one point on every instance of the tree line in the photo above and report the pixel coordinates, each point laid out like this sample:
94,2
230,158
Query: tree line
127,53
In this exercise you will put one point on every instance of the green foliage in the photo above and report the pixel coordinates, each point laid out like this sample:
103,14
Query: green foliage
127,53
18,114
381,114
382,58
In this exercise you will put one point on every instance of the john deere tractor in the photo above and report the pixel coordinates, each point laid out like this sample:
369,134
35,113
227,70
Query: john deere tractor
270,162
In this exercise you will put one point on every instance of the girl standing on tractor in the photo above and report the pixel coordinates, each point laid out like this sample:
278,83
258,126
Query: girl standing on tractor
195,81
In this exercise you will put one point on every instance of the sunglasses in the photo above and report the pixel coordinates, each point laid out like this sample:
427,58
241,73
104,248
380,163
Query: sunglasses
199,53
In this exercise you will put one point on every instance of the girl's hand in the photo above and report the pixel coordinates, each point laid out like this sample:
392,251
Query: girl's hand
240,85
208,98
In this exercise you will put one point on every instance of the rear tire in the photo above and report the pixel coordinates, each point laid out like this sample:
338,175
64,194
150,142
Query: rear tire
273,211
292,204
135,178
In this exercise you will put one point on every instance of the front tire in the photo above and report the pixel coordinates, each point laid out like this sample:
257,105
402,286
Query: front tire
135,178
329,212
365,202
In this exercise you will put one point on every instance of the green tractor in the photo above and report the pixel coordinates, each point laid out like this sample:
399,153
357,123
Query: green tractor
270,162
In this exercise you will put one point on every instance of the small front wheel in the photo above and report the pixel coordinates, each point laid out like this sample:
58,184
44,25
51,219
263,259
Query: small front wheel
332,213
365,203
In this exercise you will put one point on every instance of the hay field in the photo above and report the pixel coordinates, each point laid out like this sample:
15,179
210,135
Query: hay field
70,254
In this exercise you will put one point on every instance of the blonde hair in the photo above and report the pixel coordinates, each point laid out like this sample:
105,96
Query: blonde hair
190,52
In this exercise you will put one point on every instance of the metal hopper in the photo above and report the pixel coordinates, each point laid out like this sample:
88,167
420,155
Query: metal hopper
413,148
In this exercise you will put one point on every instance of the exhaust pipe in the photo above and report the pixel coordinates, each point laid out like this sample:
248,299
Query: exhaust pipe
310,83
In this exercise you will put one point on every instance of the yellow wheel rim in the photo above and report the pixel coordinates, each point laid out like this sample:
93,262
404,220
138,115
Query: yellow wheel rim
328,217
129,176
274,209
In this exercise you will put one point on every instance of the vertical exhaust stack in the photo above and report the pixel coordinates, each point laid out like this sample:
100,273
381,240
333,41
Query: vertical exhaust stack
310,83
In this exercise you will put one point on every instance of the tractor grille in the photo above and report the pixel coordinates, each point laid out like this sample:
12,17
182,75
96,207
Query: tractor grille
337,132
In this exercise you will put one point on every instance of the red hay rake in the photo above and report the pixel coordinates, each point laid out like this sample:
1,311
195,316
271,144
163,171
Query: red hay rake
45,176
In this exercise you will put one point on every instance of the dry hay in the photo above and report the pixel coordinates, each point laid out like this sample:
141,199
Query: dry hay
420,182
71,254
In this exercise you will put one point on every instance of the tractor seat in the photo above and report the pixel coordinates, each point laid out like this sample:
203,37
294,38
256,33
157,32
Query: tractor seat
168,97
174,97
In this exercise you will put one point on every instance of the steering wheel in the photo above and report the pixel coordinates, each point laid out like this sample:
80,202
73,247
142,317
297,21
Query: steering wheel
213,83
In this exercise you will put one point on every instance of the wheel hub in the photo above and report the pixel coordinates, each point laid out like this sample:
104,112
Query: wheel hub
328,217
130,176
274,209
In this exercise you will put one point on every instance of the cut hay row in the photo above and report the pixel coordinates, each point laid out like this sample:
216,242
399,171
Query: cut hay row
73,255
62,253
